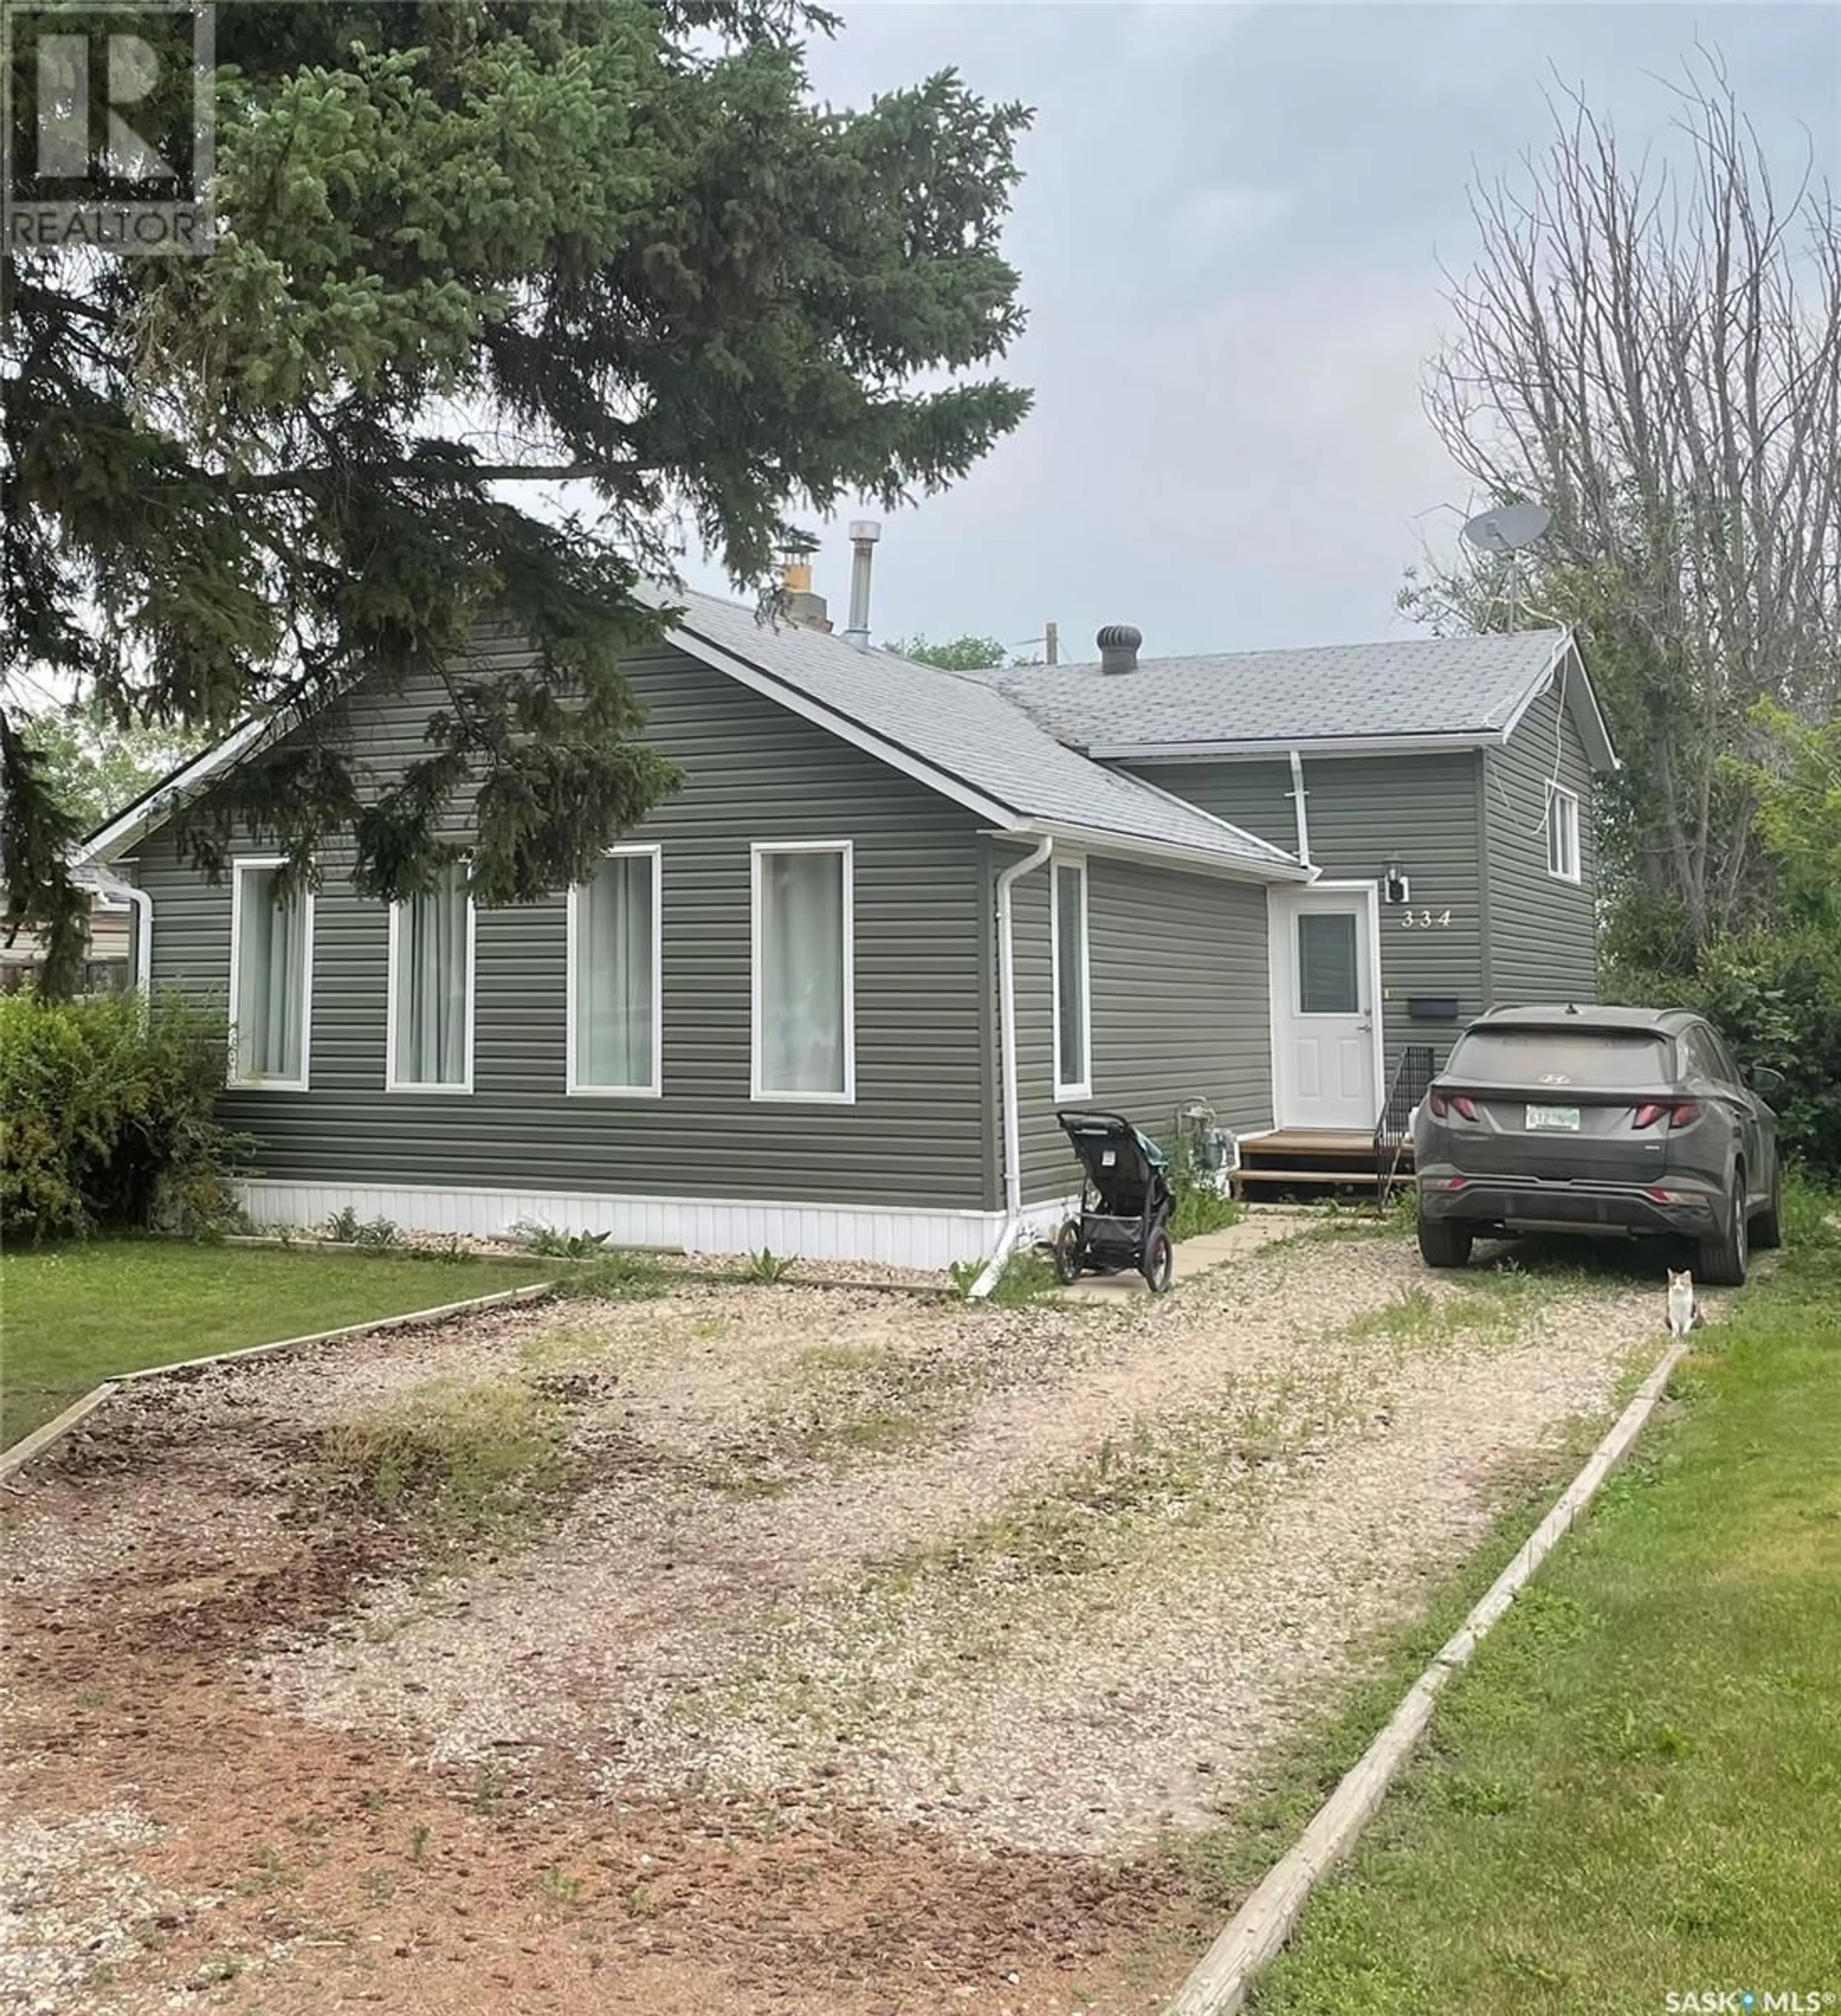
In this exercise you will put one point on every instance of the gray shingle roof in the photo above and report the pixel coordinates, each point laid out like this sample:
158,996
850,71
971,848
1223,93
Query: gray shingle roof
964,726
1410,686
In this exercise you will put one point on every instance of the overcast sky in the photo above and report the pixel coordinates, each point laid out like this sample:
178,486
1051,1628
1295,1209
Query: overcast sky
1230,233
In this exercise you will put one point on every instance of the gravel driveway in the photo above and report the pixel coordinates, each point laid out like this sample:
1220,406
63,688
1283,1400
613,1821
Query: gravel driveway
889,1577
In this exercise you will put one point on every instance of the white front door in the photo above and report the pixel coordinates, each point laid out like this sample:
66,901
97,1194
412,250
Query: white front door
1324,1048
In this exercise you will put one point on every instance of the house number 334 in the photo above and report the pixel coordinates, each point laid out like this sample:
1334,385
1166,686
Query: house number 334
1423,921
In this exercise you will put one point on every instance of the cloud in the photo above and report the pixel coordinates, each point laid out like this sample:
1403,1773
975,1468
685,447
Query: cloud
1229,211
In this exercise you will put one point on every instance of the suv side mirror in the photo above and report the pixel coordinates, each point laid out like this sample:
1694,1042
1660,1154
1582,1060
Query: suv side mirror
1764,1081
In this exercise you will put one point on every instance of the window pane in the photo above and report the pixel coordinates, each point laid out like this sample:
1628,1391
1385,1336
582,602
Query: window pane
614,977
430,1004
271,979
1070,923
1563,834
802,970
1326,964
1604,1059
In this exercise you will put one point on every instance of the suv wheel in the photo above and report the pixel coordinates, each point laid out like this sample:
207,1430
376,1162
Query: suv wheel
1723,1257
1443,1243
1768,1232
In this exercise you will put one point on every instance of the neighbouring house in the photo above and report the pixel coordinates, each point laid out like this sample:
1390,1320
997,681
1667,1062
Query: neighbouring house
108,950
827,998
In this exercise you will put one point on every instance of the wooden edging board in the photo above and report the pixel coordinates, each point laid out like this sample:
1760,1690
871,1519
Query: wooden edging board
1255,1933
721,1277
42,1438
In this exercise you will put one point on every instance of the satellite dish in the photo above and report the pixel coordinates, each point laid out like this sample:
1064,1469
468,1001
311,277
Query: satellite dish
1508,527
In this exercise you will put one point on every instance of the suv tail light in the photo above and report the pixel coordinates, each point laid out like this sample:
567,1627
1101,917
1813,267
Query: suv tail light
1441,1102
1680,1113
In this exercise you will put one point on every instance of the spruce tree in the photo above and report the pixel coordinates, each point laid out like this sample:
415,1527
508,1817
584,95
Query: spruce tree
465,251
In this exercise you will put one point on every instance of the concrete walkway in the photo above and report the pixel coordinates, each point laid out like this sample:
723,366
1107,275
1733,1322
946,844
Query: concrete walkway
1194,1256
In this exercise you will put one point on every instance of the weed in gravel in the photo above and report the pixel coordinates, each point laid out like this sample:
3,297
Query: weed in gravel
1027,1276
558,1888
550,1243
826,1360
1163,1477
418,1841
1344,1218
619,1277
271,1873
880,1431
1417,1319
478,1457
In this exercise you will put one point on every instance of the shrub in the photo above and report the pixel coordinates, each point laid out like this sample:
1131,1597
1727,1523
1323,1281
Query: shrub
1197,1205
1776,998
107,1109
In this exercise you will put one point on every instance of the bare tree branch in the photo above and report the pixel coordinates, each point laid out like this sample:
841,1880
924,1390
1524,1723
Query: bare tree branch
1656,356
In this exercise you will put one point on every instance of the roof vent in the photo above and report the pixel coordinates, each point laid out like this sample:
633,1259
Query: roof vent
1118,647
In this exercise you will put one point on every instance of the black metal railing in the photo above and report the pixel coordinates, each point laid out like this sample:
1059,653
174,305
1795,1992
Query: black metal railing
1411,1077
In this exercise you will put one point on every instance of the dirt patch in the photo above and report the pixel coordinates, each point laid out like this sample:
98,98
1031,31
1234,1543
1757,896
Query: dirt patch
873,1646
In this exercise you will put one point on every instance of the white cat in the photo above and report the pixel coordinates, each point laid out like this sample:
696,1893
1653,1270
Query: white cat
1684,1311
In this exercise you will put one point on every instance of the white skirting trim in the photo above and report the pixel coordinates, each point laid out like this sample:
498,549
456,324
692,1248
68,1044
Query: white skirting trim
895,1238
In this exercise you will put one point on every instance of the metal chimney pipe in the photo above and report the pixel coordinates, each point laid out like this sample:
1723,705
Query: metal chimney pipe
1118,647
865,532
1051,644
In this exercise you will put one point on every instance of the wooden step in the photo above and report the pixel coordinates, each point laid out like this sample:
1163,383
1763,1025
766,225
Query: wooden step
1246,1175
1308,1141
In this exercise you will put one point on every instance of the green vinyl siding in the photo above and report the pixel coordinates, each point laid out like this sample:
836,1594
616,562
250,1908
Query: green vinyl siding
1542,930
1178,989
916,1135
1366,813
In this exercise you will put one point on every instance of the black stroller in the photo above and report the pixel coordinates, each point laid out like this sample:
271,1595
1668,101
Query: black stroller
1125,1204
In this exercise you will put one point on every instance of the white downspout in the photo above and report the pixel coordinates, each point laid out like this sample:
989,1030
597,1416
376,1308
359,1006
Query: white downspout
1297,799
98,876
994,1267
143,909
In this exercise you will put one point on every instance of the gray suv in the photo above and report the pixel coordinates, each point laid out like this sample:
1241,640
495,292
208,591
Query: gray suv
1598,1120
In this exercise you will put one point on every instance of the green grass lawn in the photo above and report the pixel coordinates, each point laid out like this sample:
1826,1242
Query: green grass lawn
1634,1790
74,1315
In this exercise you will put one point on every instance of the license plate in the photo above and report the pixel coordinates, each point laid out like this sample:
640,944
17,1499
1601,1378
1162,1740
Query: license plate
1553,1120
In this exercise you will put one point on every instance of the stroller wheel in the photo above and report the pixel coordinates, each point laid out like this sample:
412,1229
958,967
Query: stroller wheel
1067,1252
1160,1263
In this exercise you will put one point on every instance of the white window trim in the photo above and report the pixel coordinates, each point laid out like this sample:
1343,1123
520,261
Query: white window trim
575,1087
390,1081
255,862
1558,796
1075,864
757,850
